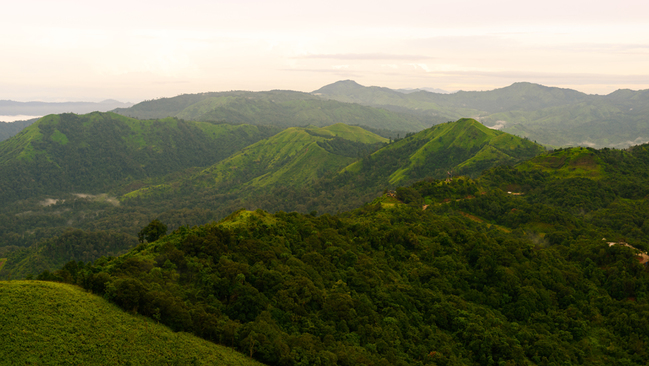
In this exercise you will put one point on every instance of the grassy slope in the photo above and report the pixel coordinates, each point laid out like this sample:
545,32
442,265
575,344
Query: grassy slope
292,157
94,152
478,147
567,163
45,323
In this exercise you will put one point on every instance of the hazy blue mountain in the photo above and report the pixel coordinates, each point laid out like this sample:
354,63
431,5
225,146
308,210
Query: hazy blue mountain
13,108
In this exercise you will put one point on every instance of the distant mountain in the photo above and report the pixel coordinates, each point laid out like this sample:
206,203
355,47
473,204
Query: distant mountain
12,108
432,90
277,107
549,115
91,153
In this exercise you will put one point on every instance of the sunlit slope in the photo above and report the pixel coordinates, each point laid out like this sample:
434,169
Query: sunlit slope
46,323
292,158
277,107
93,152
464,147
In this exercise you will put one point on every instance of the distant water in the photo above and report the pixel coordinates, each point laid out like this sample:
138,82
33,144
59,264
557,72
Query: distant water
17,118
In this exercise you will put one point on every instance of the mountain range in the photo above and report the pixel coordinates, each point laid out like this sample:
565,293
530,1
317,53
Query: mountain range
310,241
13,108
552,116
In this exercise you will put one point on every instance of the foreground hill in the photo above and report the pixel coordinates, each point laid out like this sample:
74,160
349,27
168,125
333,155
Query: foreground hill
95,152
58,324
552,116
277,107
478,276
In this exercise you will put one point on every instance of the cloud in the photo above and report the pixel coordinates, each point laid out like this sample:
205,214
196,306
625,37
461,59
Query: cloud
364,56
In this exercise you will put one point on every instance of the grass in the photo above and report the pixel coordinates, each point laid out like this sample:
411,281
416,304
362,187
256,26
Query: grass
46,323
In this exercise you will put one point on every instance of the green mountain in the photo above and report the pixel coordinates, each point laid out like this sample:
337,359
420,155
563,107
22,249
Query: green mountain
96,152
451,273
552,116
465,147
277,107
325,169
45,323
293,157
8,129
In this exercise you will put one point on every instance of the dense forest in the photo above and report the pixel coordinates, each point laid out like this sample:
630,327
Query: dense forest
542,263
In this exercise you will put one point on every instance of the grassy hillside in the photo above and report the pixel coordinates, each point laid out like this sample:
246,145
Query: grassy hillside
293,157
96,152
10,129
465,147
45,323
552,116
278,108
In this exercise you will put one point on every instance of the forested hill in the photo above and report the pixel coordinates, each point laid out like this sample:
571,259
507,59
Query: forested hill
549,115
277,107
94,152
292,158
465,147
548,271
335,167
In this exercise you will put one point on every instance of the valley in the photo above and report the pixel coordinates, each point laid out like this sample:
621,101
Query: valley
349,226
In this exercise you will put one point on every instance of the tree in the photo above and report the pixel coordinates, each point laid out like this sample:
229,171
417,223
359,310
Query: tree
152,232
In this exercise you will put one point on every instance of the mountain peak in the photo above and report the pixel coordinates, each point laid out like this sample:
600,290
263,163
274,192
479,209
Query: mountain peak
339,86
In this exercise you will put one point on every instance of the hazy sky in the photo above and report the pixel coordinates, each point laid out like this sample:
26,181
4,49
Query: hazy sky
134,50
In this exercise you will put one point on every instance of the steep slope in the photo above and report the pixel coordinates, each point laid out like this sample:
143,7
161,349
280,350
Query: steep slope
464,147
279,108
95,152
8,129
59,324
293,157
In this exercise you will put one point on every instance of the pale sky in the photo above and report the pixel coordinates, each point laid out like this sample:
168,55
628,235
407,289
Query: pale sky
69,50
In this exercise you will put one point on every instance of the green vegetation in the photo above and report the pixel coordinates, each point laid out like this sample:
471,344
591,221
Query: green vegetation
477,277
296,169
551,116
291,158
277,108
100,151
45,323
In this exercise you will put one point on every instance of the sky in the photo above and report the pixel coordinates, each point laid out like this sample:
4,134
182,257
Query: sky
69,50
